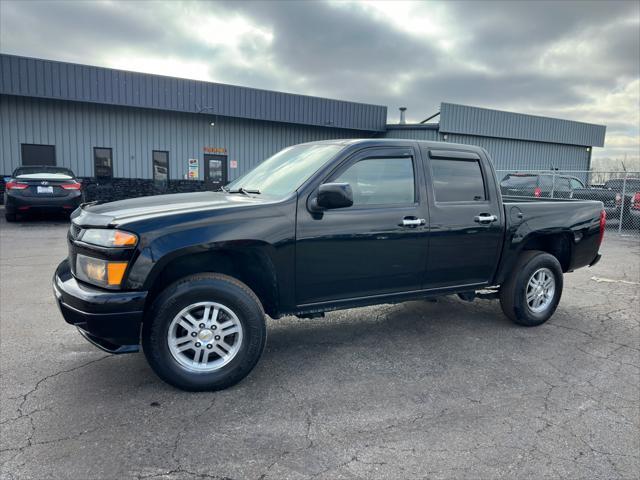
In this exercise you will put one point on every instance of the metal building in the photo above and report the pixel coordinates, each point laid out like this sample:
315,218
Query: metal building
514,140
130,134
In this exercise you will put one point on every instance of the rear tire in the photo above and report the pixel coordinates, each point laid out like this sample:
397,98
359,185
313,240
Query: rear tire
183,335
531,294
10,217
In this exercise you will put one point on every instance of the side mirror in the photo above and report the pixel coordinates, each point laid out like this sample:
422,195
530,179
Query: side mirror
333,195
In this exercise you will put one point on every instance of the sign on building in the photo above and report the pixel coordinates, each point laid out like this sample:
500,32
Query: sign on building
193,169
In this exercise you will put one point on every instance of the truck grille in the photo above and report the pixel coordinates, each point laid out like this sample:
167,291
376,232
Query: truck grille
74,231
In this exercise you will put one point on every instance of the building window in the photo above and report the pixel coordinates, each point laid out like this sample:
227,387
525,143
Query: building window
160,168
38,154
103,163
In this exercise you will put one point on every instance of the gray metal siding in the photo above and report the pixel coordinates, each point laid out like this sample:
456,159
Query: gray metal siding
133,133
66,81
466,120
415,133
508,154
522,155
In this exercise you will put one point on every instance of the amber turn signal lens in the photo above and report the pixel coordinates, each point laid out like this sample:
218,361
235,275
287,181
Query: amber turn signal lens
124,239
115,272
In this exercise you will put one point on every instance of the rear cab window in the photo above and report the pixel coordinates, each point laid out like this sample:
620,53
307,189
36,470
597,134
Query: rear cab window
519,180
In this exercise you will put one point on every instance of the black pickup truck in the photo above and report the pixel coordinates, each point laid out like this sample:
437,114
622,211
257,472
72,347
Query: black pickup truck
611,194
317,227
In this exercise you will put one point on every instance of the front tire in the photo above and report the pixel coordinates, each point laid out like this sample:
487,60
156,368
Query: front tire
204,332
531,294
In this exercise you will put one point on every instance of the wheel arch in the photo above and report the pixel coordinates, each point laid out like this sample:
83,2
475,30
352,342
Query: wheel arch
249,262
558,244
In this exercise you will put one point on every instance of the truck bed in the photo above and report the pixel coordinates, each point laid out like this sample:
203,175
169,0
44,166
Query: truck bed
580,219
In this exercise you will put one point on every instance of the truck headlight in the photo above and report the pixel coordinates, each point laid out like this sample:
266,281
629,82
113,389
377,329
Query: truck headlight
104,237
100,272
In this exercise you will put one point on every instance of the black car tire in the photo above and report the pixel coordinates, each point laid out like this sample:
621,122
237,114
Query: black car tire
10,217
513,293
204,287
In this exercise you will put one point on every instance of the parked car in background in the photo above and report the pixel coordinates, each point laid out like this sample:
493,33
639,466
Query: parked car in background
634,210
41,188
540,185
611,194
317,227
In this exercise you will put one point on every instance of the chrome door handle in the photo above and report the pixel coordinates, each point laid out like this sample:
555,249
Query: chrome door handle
485,218
413,222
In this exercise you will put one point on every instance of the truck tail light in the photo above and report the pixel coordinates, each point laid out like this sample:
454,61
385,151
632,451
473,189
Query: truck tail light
635,203
537,192
603,223
16,186
72,186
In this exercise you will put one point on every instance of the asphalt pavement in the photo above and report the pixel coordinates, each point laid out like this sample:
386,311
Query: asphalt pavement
445,389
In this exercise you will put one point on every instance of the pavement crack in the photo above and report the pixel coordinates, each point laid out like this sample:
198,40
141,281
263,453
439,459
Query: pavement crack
28,415
309,415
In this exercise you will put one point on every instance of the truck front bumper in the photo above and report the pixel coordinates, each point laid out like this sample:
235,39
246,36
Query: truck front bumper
109,320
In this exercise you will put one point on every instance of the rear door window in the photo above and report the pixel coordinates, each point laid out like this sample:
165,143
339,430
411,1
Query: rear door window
457,180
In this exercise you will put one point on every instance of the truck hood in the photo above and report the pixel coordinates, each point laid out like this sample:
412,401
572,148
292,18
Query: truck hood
135,209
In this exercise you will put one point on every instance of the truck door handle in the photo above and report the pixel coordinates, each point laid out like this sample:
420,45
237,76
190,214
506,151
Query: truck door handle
485,218
413,222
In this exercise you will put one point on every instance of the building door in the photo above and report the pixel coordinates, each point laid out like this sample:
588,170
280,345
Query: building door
215,170
38,154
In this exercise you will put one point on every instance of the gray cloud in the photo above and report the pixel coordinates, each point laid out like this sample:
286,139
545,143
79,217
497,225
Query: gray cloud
573,59
319,40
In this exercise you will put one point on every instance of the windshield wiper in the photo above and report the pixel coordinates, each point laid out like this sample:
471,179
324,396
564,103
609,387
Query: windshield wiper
245,191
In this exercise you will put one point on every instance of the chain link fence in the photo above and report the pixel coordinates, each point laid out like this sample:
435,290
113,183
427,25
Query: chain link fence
619,192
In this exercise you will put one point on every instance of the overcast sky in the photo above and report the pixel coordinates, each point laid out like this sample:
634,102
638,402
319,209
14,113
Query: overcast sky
578,60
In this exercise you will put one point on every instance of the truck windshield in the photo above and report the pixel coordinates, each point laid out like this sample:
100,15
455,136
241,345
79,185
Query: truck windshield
284,172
